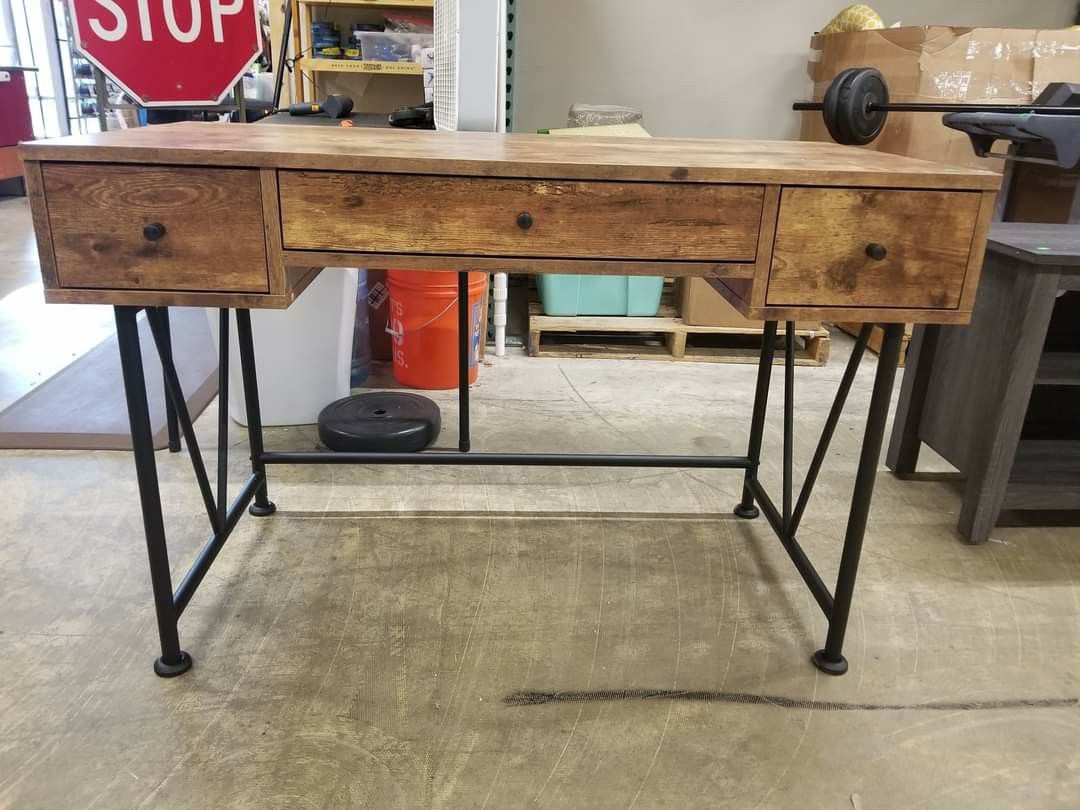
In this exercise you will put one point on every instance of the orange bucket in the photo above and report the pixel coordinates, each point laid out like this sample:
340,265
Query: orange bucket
424,326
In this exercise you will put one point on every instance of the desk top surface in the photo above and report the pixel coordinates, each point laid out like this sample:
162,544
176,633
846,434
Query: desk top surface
509,155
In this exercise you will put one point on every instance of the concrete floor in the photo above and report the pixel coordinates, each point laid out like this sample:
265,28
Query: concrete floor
391,637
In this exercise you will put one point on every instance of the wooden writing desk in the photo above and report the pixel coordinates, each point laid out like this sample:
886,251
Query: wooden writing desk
243,217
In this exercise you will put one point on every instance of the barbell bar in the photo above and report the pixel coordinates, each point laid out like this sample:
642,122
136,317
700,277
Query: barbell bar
856,106
918,106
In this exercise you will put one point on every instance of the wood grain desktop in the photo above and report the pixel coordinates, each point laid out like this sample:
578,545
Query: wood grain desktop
248,214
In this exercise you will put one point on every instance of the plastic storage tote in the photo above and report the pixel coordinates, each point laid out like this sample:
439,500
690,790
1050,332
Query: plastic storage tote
391,46
599,295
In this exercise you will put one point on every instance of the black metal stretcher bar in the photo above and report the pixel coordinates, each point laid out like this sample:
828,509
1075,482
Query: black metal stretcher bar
445,457
784,522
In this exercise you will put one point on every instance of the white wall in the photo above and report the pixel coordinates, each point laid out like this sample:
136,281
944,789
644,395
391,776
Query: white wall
711,68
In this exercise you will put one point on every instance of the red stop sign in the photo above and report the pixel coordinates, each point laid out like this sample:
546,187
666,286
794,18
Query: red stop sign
167,52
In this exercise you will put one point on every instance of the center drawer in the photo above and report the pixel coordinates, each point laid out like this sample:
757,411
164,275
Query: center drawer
413,214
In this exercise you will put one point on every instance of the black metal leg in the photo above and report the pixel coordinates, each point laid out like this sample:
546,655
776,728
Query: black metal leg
165,350
745,508
789,420
223,418
830,659
173,660
262,505
464,337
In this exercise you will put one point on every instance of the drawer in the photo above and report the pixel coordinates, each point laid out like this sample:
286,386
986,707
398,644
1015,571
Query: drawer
211,235
872,248
414,214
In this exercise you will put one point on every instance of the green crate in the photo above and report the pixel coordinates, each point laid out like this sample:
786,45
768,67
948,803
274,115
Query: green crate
600,295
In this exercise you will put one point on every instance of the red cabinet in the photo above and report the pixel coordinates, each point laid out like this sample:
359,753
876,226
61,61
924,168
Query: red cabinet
15,123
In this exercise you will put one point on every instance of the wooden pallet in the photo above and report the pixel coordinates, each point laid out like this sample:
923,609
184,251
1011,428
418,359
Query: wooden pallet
664,337
874,344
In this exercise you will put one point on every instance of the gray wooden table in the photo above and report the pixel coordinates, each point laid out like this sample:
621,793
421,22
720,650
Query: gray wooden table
968,392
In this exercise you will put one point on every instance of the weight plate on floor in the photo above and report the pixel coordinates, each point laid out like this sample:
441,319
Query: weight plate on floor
856,122
830,104
380,422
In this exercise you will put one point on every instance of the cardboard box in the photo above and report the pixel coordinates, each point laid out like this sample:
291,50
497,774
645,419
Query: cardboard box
700,305
939,63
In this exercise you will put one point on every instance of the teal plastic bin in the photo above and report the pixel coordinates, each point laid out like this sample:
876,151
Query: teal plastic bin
599,295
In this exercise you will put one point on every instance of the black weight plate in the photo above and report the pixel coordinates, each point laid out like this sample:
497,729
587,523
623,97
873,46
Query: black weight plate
380,422
856,122
829,105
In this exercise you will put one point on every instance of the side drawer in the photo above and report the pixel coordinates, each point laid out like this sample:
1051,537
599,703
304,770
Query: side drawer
415,214
156,228
872,248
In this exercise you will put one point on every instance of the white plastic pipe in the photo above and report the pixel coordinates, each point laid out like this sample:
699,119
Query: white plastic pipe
498,295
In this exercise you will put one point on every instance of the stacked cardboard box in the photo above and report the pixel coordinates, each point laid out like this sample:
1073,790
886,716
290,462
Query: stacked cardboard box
700,305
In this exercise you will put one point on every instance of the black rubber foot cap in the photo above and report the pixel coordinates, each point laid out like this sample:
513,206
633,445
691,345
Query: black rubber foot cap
164,670
746,512
830,666
262,511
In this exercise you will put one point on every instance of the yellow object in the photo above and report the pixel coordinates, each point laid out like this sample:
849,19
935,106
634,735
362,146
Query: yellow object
857,17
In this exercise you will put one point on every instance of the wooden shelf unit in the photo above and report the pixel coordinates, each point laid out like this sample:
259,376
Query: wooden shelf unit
305,64
361,66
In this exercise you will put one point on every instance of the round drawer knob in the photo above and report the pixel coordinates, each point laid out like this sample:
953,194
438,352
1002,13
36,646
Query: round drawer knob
524,220
876,252
153,231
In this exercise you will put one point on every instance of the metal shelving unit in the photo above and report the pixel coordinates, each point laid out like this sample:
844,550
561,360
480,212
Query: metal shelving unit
511,31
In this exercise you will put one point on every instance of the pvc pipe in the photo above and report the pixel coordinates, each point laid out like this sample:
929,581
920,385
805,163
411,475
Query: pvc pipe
499,294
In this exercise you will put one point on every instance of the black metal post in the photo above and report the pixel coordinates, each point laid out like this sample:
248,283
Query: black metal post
789,419
165,349
223,418
745,508
464,335
173,660
830,659
262,505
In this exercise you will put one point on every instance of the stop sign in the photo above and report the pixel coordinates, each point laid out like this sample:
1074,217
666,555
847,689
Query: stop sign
169,52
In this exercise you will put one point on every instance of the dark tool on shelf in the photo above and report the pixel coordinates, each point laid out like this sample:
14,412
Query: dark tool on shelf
334,106
380,422
856,107
421,116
